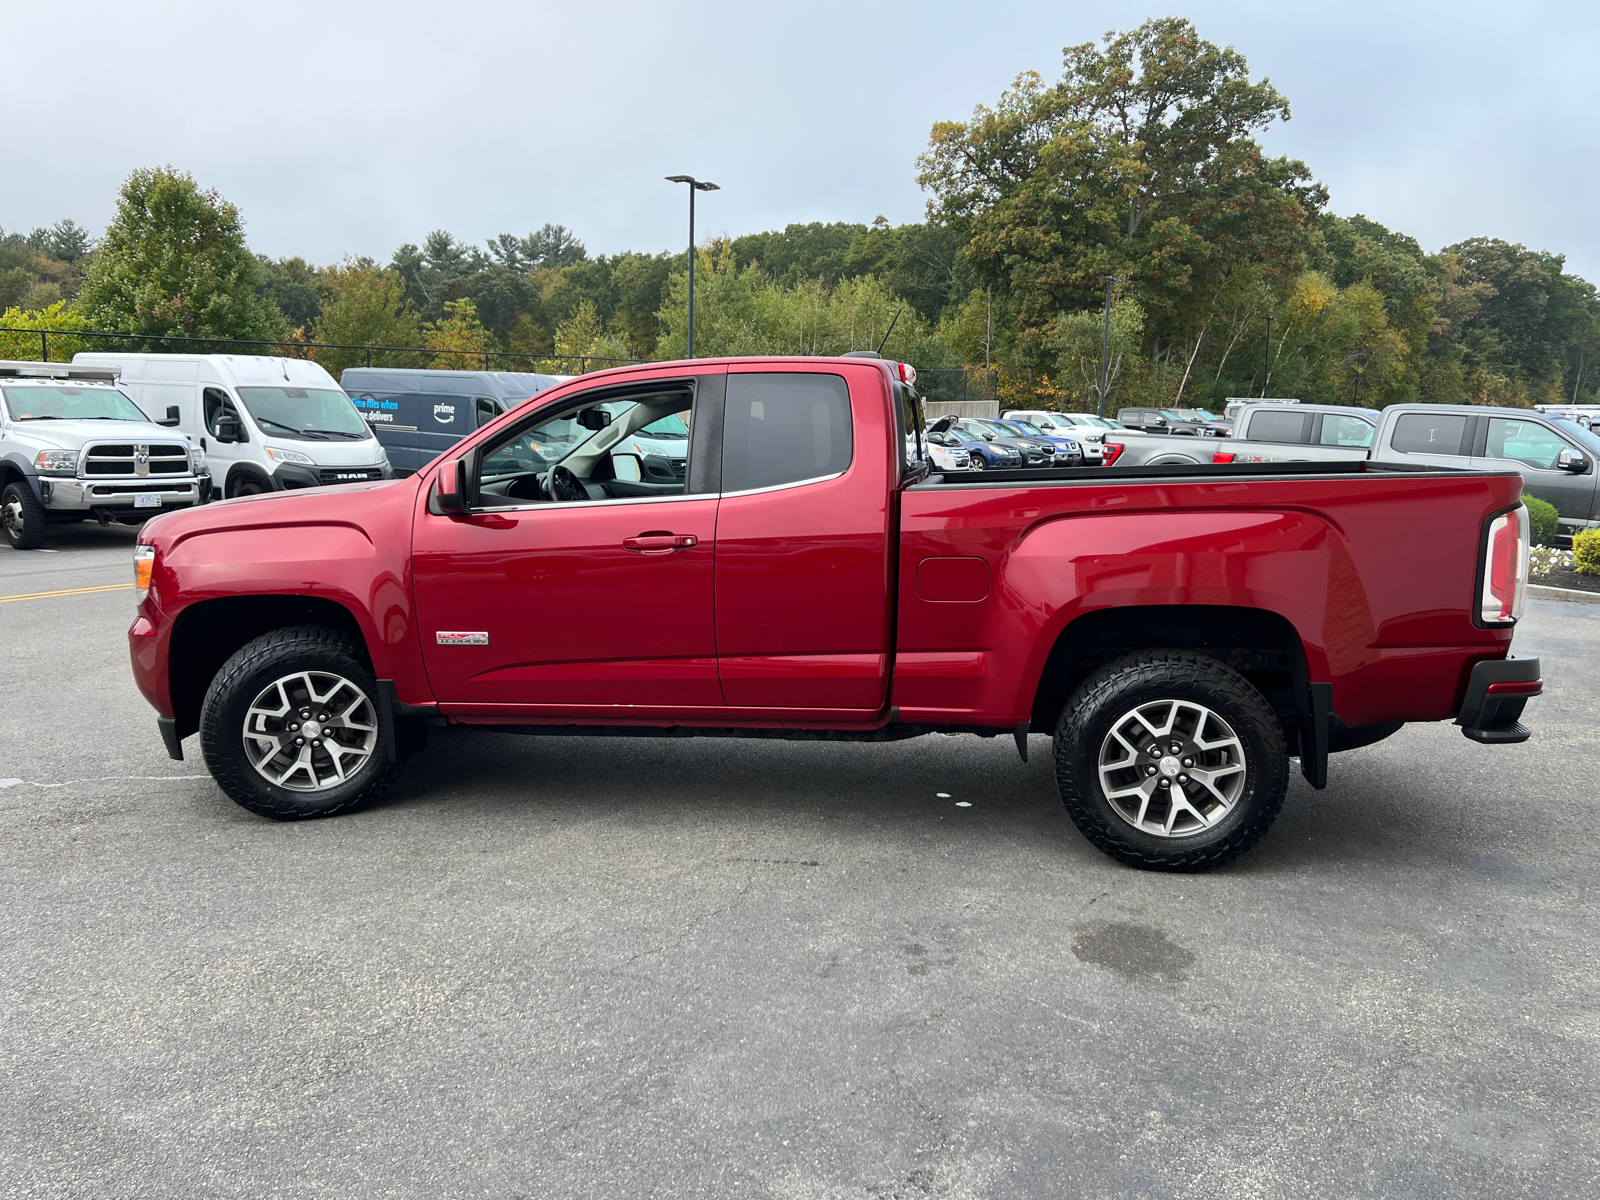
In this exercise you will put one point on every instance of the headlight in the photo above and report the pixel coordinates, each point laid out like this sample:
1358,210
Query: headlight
292,456
144,565
56,462
197,458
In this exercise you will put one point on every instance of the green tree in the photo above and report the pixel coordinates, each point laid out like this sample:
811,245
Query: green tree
57,318
1139,163
365,306
174,261
457,338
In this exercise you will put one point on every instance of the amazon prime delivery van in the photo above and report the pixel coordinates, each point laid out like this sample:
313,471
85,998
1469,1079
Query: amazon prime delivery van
266,424
419,414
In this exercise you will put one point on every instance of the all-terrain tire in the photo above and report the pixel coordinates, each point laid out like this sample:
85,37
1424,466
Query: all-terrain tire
242,680
22,517
1153,677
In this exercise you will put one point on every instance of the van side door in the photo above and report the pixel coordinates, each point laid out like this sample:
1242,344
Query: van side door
809,465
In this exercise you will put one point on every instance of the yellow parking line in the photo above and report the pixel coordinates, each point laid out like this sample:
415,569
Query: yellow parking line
106,587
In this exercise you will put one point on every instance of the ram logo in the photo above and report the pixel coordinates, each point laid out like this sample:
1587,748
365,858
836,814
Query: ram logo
445,414
141,460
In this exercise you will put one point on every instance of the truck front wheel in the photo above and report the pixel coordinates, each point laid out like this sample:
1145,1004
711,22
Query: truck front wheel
1170,761
290,726
22,516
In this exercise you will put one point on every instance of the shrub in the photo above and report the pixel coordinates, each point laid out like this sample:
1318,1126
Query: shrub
1543,520
1586,553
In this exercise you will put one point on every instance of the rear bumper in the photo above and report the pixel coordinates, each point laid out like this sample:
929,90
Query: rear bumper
1497,690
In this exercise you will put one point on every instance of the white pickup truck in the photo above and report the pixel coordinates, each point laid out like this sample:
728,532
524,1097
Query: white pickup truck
1556,457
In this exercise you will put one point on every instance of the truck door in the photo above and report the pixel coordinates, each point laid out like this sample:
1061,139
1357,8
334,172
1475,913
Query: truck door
1533,448
803,538
573,585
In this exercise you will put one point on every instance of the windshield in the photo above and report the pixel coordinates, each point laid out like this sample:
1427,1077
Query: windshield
314,413
1028,428
71,404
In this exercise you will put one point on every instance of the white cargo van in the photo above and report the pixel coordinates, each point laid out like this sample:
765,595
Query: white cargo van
265,424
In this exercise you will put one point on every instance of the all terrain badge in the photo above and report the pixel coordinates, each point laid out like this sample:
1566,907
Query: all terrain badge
454,637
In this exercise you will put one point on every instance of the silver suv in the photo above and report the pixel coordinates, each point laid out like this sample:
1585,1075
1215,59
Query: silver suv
72,446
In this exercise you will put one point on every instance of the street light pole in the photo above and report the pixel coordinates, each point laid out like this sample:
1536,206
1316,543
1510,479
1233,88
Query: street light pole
695,185
1105,345
1266,381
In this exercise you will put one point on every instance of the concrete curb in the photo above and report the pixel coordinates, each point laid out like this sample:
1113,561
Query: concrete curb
1539,591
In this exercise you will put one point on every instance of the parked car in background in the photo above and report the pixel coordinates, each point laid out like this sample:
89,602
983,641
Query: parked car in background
1069,451
1556,458
1036,451
1286,427
73,446
1587,415
1306,425
1163,421
985,450
1223,426
1088,429
946,452
419,414
266,424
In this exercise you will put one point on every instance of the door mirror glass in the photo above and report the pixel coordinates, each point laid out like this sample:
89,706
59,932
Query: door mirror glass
1571,460
594,418
626,468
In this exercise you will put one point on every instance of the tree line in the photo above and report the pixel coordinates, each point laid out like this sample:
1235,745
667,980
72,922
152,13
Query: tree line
1137,172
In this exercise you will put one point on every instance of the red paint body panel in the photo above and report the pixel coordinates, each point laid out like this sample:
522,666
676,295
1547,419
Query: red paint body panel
823,604
803,573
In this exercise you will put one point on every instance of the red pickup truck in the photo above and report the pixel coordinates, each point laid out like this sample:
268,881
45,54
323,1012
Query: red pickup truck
755,548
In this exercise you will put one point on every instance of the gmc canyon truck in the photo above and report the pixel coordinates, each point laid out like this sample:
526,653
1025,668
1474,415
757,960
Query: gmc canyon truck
1182,634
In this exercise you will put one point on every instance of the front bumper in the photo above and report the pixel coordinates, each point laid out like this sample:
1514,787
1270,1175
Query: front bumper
1497,690
292,476
119,496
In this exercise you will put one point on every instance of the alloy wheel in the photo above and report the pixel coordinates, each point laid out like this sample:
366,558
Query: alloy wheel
1172,768
310,731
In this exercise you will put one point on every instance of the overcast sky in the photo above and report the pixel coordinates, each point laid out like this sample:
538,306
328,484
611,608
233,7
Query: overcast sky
343,128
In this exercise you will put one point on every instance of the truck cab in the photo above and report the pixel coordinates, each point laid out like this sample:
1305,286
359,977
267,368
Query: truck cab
73,446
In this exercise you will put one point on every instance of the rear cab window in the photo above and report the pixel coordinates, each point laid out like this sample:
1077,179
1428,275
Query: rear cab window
1271,426
1429,433
784,428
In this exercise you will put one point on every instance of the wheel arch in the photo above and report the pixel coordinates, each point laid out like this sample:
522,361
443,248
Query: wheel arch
207,633
1261,645
237,471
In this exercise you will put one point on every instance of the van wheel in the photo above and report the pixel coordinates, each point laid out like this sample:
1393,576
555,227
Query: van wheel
22,516
290,726
248,485
1170,761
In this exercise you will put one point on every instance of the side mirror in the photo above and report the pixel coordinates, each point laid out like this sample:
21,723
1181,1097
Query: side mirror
172,416
452,485
626,468
231,430
594,418
1571,460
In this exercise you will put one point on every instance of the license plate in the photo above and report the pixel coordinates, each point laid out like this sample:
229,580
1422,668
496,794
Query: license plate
147,501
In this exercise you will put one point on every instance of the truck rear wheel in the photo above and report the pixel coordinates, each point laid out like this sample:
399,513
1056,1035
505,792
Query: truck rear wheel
1170,761
290,726
22,517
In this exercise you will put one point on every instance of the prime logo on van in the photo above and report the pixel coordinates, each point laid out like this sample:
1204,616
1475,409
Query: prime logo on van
445,414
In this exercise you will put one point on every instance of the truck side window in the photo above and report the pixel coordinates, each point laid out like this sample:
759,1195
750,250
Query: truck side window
783,428
1271,426
1340,430
1525,442
1429,433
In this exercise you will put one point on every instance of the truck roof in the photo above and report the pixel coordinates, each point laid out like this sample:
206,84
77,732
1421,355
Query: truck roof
13,369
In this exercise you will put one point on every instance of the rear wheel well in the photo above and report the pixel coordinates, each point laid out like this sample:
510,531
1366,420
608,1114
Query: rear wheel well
1260,645
206,635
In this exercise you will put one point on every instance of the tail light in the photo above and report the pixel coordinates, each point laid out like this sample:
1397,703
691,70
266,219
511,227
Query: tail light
1112,452
144,565
1505,569
908,374
1221,457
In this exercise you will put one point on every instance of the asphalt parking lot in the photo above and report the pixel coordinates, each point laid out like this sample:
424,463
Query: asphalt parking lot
551,968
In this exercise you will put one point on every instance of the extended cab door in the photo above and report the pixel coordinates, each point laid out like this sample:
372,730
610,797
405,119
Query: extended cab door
809,463
575,584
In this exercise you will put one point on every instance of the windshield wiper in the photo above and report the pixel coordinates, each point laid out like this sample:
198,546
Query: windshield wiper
344,433
46,417
290,428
